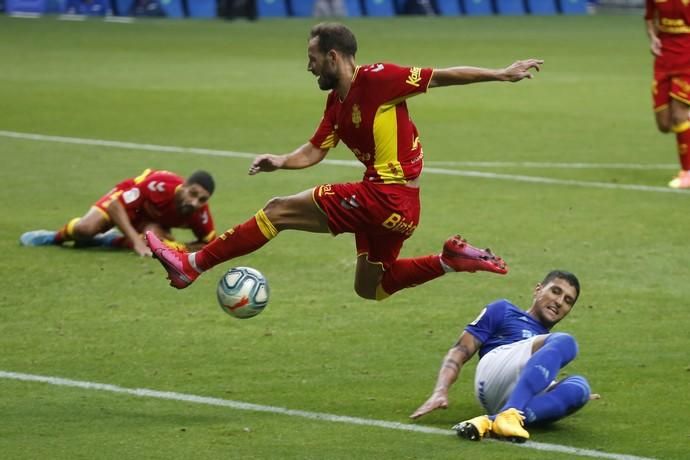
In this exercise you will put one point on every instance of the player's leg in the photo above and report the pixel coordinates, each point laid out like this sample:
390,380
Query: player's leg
81,229
295,212
563,399
680,125
550,353
379,271
494,380
661,100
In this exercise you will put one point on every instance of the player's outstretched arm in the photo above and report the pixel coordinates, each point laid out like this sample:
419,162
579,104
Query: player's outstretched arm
302,157
518,70
453,362
118,215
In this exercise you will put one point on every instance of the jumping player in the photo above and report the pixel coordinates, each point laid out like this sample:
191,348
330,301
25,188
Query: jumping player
519,360
668,28
366,109
156,201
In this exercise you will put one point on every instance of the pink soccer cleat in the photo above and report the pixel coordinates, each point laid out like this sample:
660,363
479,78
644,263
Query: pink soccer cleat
180,273
461,256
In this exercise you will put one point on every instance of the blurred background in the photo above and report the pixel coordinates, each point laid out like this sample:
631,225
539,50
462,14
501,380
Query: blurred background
256,9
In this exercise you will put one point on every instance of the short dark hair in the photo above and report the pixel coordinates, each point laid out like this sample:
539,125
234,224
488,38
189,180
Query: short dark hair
562,274
204,179
334,36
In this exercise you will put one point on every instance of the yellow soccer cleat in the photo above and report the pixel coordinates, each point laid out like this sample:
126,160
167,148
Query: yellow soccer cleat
474,429
509,426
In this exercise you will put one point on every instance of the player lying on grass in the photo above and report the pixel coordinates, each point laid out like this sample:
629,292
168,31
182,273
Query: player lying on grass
519,360
156,201
366,109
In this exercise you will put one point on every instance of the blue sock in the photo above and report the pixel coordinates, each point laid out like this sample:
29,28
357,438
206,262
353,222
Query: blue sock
542,368
568,396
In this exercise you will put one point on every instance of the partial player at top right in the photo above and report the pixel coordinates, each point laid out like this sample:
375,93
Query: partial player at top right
668,28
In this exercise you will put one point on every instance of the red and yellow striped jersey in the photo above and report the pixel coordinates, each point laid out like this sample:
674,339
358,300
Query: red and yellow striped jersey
374,123
673,22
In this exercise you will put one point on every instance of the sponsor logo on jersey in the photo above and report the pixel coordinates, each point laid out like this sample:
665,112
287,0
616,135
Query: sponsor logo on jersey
156,186
415,77
131,195
397,223
350,203
325,190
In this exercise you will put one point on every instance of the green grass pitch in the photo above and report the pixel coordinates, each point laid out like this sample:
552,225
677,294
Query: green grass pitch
109,317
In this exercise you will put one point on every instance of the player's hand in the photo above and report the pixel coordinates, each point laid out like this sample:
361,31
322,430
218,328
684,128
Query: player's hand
655,46
520,70
266,163
594,396
141,249
436,401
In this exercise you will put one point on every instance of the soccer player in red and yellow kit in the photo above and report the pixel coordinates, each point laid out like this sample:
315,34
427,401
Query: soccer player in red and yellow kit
365,109
155,201
668,28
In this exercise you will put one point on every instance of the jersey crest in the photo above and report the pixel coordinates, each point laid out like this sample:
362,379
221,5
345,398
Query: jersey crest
356,116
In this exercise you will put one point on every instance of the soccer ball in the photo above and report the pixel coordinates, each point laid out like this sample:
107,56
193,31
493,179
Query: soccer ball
243,292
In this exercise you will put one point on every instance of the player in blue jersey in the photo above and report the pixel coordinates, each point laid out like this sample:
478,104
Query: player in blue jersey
519,360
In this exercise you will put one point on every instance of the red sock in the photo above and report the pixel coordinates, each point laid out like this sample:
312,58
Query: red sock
238,241
683,141
122,242
406,273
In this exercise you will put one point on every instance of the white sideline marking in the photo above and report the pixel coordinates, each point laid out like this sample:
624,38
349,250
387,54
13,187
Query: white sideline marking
553,165
349,163
170,395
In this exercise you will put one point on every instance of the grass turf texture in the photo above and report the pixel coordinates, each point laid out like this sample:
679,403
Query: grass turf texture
109,316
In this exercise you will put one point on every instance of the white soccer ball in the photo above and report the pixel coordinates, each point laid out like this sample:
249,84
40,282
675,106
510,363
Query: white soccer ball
243,292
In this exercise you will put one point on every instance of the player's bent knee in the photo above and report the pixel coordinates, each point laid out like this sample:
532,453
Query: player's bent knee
580,390
565,343
365,292
663,128
83,230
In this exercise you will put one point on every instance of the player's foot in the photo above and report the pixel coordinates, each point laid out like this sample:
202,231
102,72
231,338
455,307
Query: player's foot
103,240
681,181
461,256
38,238
474,429
180,273
509,425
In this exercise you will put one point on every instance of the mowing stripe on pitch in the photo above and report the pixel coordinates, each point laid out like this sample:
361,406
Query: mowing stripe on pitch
349,163
239,405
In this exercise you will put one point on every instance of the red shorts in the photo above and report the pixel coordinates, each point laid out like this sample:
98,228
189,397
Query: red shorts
104,201
669,85
381,216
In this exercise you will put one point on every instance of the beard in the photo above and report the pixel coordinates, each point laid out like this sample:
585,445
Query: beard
185,209
327,82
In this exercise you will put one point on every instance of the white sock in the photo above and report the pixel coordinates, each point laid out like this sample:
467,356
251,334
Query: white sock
446,268
191,258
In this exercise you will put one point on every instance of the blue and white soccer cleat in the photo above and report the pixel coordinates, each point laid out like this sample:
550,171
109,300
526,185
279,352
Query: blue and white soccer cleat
108,238
38,238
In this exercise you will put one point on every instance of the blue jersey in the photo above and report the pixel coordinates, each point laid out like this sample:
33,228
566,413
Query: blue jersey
501,323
